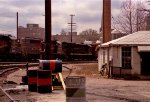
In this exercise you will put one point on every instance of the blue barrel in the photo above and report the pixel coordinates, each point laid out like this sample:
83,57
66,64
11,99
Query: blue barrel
54,65
32,80
44,81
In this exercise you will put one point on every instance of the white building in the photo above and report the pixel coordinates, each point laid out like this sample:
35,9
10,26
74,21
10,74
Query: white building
128,55
117,34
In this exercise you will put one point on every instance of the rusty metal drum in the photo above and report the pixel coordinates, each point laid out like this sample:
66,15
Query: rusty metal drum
75,89
32,80
44,81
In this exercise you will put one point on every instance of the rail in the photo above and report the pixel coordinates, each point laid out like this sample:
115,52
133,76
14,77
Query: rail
10,65
9,97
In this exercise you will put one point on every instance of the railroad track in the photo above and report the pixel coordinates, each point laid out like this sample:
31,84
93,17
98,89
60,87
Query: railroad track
7,95
71,61
76,62
8,67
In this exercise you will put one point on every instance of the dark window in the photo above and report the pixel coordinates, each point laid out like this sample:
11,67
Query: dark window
126,57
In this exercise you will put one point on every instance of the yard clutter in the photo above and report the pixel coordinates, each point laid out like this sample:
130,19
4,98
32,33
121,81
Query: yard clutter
43,79
98,89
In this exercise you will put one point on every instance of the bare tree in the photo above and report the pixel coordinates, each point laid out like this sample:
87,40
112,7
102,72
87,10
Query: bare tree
89,34
131,18
63,32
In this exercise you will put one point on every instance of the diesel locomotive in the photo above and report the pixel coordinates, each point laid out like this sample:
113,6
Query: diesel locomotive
28,49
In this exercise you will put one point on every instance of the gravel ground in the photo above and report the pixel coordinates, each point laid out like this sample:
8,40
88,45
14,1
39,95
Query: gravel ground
98,88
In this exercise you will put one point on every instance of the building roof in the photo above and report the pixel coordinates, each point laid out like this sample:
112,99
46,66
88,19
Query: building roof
143,48
137,38
114,31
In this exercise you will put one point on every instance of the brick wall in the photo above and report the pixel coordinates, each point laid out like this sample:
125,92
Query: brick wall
31,31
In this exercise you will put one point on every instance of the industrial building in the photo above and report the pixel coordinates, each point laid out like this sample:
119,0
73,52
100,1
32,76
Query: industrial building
32,30
128,55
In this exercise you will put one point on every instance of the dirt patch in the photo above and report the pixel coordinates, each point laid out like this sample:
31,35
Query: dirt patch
84,69
98,89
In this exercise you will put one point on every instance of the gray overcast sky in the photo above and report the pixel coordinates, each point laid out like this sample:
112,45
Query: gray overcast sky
87,14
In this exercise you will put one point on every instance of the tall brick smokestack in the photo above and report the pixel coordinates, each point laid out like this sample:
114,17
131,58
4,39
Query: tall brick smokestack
106,27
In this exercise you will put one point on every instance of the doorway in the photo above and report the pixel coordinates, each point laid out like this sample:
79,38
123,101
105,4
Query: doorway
145,63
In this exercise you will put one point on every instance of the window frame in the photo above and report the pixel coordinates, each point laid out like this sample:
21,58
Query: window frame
126,57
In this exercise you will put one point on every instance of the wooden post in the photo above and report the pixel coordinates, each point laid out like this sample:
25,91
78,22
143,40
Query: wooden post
17,25
47,29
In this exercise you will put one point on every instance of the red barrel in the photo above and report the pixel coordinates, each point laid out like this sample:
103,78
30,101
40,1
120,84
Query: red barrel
44,81
54,65
32,80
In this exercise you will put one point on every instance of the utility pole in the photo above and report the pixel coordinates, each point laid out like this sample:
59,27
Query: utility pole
48,30
71,25
17,25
